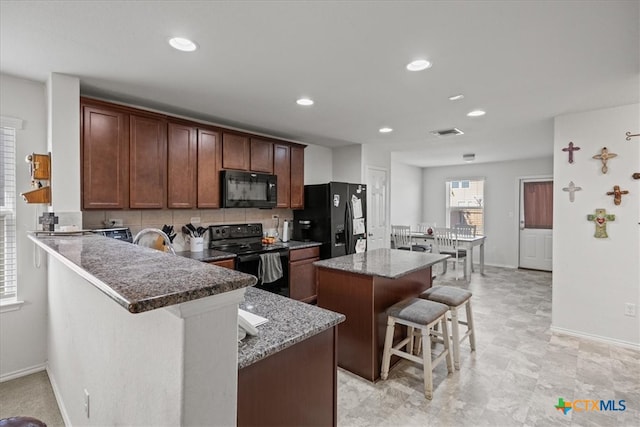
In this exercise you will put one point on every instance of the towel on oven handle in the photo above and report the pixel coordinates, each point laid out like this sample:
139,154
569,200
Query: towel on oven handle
269,267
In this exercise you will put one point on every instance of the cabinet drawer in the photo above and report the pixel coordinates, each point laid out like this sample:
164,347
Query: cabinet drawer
298,254
226,263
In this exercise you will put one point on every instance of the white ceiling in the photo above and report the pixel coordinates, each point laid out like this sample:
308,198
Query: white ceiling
524,62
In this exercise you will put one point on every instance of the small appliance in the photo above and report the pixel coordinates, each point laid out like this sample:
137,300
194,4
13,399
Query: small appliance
248,189
121,233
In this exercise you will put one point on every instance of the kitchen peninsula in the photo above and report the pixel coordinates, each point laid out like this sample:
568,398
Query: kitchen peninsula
362,286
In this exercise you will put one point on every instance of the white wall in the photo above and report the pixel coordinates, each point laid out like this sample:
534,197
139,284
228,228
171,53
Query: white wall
501,201
347,164
406,194
23,345
594,278
318,165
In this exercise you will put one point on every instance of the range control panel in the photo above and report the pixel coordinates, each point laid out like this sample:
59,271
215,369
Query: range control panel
234,231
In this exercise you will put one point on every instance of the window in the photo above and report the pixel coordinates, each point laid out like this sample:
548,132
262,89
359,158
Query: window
7,215
465,203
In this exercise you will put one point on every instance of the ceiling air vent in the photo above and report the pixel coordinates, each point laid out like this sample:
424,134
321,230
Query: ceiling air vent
447,132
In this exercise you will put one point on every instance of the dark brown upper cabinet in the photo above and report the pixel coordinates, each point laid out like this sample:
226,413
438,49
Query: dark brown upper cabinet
209,166
147,162
235,151
297,177
282,169
182,165
261,156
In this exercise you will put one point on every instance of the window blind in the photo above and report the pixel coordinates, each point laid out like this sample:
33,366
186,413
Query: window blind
8,284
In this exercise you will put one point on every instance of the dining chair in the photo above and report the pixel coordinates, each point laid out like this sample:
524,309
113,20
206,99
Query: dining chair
401,238
446,242
466,230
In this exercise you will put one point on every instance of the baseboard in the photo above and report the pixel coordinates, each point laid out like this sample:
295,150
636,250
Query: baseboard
606,340
58,395
22,373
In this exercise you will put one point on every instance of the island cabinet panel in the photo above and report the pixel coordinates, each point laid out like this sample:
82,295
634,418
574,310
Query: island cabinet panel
209,166
282,169
226,263
105,158
297,177
364,299
148,162
182,155
261,156
235,151
302,274
294,387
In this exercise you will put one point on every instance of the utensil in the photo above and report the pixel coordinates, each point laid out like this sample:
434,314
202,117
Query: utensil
201,231
194,232
186,231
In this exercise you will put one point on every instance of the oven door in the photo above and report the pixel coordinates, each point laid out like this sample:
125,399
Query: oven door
250,264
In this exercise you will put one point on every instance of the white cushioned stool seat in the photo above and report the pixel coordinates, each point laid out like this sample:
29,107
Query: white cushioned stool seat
455,298
416,313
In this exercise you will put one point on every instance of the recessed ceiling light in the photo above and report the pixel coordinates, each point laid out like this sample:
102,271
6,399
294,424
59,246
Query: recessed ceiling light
182,44
305,101
476,113
456,97
418,65
385,130
469,157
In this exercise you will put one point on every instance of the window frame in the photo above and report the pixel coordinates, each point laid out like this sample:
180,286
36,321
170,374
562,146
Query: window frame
468,183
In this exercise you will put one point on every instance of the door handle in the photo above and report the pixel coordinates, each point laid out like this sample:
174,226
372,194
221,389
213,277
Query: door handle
370,234
521,225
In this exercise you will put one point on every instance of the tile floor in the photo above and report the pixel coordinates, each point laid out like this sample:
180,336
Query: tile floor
515,377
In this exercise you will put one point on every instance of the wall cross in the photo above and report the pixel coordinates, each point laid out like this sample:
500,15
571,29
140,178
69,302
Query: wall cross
604,156
617,194
48,221
572,190
571,148
600,219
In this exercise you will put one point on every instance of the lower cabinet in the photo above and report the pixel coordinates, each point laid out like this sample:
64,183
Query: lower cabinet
226,263
302,274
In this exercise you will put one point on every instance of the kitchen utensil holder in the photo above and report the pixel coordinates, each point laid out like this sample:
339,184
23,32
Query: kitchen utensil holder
196,244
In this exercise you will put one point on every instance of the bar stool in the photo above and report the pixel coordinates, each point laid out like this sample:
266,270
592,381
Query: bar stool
454,298
416,313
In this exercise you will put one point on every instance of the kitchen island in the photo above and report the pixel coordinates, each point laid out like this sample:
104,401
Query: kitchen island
165,353
362,286
287,373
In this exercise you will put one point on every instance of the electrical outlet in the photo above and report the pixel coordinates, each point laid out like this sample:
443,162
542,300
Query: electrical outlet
630,309
117,222
86,402
195,220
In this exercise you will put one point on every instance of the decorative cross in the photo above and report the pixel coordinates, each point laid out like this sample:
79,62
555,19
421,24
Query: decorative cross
572,189
604,156
48,221
617,194
570,149
600,219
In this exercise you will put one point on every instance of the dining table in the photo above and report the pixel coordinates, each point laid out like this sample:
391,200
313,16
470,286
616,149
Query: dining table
466,243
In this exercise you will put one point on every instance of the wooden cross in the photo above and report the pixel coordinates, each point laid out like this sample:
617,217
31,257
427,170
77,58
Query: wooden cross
570,149
617,194
572,189
48,221
604,156
600,220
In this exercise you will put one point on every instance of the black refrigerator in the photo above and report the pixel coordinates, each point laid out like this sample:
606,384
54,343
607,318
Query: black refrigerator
334,214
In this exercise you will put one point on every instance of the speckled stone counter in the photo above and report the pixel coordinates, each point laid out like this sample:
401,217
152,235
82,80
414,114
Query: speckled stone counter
289,322
138,278
390,263
207,255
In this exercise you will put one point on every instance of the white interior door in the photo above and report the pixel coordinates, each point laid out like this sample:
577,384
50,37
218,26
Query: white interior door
536,223
377,208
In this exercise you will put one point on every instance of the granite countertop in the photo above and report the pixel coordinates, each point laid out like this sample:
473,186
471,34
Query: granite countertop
390,263
289,322
138,278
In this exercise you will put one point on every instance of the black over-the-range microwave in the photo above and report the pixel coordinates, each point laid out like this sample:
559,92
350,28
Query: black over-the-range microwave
242,189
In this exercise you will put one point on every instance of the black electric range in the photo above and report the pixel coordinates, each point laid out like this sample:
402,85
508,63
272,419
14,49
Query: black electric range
245,240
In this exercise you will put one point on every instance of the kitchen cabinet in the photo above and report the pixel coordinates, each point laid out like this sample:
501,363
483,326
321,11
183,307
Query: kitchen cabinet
182,165
282,169
209,166
235,151
104,152
147,162
302,274
226,263
297,177
261,156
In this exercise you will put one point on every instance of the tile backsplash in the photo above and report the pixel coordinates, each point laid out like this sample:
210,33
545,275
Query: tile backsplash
136,220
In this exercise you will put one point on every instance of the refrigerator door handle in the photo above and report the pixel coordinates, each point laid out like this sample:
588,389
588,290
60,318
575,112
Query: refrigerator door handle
347,227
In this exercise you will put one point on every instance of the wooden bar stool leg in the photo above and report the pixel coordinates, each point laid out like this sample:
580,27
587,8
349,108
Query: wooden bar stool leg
471,327
388,343
455,331
447,344
426,365
411,335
